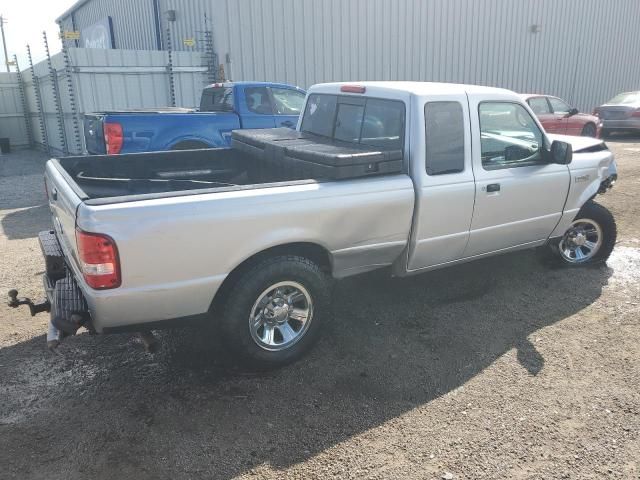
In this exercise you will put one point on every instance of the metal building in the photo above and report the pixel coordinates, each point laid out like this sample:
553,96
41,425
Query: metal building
582,50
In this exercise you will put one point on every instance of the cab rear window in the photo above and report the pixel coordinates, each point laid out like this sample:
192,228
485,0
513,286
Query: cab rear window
367,121
217,99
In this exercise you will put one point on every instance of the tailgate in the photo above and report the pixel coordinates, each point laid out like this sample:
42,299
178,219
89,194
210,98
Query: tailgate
94,134
64,199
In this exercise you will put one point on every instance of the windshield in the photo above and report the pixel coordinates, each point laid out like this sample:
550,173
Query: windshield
351,119
625,98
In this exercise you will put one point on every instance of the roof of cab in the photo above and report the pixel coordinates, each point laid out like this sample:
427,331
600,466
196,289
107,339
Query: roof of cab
253,84
418,88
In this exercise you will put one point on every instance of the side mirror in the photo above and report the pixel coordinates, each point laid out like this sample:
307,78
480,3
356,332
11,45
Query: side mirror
561,153
572,112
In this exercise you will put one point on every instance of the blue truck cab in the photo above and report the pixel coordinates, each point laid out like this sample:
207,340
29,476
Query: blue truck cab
223,107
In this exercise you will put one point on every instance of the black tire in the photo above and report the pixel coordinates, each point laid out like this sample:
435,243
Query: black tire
190,145
248,287
589,130
604,218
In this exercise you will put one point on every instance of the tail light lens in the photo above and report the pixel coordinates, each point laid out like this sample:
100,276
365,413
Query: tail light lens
98,260
636,113
113,137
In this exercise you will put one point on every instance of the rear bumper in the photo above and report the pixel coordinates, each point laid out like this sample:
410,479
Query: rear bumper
69,310
626,124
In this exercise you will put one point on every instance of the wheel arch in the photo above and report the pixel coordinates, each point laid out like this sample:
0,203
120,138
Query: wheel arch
590,123
189,144
312,251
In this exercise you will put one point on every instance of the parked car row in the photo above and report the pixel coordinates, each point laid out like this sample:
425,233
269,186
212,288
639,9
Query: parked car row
620,114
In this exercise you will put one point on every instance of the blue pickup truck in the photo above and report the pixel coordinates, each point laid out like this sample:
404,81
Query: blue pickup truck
223,107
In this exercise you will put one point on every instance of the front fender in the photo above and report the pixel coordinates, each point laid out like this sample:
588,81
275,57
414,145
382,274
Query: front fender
591,173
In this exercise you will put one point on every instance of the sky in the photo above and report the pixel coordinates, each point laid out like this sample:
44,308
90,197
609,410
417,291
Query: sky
25,21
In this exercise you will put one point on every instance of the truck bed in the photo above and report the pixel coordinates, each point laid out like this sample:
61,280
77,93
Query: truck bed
257,158
112,177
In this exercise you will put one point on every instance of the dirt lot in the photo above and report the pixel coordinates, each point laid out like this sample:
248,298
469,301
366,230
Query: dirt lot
506,368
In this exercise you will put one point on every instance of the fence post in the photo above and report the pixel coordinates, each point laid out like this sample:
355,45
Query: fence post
36,90
25,107
210,56
172,86
72,96
53,75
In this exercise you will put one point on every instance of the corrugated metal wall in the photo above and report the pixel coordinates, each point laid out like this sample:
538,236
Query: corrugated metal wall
133,21
12,124
586,50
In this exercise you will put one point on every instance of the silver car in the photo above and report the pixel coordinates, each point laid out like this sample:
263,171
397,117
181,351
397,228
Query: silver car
621,113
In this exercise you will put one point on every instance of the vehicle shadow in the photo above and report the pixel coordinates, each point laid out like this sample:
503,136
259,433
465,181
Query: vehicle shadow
26,223
393,345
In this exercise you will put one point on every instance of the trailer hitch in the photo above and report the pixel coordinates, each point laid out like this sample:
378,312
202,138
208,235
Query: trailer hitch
34,308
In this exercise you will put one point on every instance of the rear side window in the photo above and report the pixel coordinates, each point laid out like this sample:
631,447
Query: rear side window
539,105
366,121
258,100
217,99
444,129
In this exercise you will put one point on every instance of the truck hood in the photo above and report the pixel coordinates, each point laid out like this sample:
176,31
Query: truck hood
578,144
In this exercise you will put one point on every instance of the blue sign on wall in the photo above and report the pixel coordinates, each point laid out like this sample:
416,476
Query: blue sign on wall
98,35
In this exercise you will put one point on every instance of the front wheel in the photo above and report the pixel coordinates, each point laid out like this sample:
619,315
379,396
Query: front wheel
275,311
590,238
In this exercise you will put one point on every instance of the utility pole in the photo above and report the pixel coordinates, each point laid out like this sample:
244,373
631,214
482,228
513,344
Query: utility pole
4,43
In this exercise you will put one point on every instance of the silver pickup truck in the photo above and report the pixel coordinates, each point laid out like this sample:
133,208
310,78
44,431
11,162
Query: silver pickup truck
142,241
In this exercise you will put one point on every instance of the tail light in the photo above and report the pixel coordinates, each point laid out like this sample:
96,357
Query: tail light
98,260
636,113
113,137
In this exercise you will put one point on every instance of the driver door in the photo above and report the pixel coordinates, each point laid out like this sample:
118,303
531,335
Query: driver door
519,197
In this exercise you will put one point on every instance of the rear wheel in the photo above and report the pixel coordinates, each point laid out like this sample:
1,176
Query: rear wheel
590,238
589,130
275,310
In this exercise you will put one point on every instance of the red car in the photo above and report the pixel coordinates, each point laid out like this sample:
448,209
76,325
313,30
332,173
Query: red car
557,116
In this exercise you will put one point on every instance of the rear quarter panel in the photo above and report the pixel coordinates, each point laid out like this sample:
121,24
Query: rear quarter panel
176,252
145,132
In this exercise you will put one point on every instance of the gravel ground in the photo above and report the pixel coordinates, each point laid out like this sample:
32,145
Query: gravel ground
505,368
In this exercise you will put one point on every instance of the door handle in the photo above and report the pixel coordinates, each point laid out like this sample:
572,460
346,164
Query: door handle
493,187
287,123
54,194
